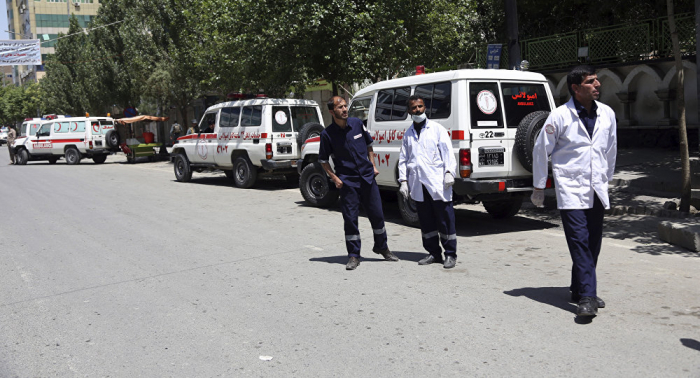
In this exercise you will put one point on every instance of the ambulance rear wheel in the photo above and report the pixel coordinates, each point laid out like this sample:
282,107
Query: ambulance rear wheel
183,171
504,208
526,134
409,211
244,173
315,186
99,159
22,157
72,156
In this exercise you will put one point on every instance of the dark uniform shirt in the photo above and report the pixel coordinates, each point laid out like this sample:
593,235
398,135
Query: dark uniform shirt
348,147
587,119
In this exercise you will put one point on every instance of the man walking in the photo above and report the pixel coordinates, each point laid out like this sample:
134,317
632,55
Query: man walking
350,144
581,138
426,172
11,136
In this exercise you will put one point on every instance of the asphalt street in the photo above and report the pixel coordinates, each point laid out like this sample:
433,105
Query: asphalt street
117,270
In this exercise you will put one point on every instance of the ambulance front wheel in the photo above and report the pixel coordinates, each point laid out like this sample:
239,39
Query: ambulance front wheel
409,211
183,171
315,186
22,157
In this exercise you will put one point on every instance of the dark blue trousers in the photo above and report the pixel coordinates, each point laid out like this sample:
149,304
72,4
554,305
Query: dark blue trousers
584,233
368,196
437,224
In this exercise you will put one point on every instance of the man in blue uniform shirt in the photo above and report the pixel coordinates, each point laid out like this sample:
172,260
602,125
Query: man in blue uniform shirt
581,138
426,171
350,145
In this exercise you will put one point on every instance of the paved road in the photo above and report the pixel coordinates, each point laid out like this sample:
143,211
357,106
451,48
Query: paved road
117,270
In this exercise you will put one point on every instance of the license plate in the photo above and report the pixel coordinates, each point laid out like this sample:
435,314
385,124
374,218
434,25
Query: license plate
491,156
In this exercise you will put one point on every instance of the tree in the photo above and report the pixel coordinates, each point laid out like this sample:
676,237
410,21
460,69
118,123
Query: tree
680,100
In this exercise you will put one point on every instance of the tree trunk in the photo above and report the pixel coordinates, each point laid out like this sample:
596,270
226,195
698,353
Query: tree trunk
680,92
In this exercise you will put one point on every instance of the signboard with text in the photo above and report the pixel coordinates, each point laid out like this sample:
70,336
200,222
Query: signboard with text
20,52
493,56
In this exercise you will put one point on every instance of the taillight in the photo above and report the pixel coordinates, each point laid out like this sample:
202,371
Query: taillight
91,145
268,150
465,162
549,183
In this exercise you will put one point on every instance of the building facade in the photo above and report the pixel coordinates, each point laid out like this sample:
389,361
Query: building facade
44,20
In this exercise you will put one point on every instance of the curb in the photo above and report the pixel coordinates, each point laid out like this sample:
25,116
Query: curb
652,211
683,234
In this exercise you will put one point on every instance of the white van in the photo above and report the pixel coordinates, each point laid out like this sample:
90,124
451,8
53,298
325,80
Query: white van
71,137
248,138
492,116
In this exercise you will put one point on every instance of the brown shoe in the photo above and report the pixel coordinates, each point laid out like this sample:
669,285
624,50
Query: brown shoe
353,263
388,256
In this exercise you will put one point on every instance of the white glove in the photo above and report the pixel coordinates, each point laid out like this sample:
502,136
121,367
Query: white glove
404,189
449,180
537,197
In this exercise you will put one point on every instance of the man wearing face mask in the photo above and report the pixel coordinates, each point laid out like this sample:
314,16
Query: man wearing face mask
426,173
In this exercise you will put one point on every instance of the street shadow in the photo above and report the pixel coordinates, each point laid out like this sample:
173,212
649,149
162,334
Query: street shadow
220,179
643,230
410,256
342,260
553,296
691,343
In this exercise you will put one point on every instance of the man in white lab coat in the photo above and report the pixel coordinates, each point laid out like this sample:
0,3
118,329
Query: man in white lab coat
581,138
427,169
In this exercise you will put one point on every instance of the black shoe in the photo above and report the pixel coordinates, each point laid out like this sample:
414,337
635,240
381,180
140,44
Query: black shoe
575,298
587,306
388,256
430,260
352,263
450,262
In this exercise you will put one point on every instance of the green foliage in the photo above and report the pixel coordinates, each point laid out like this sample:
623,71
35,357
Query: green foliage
17,103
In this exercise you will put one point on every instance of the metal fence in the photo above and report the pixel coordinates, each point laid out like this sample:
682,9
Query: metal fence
650,39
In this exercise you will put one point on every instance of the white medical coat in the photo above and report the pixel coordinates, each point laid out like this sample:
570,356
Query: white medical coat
425,160
581,165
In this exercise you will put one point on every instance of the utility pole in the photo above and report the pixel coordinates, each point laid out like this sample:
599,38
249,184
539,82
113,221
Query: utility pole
697,50
512,31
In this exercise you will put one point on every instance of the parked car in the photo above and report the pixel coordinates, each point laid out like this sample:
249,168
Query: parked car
3,135
492,116
247,139
74,138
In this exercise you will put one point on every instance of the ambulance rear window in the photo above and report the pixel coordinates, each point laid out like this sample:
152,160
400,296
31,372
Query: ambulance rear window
520,100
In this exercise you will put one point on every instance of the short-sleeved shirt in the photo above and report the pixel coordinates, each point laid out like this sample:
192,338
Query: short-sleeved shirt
348,147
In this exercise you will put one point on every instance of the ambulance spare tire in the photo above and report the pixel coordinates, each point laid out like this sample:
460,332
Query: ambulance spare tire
528,130
112,138
308,131
315,186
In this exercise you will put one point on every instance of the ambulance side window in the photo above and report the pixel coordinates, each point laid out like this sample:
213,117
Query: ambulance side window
485,106
392,104
360,109
229,117
301,115
79,127
438,99
252,116
44,130
61,127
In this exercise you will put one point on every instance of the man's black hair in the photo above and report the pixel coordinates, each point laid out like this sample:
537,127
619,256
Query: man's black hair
414,98
331,103
576,75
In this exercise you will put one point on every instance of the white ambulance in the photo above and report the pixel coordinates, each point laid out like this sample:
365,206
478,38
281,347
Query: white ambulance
492,116
71,137
247,139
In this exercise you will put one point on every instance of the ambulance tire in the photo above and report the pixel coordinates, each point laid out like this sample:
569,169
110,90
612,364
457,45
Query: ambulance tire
409,211
316,188
53,160
112,138
99,159
22,157
72,156
504,208
183,171
526,134
309,130
244,173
